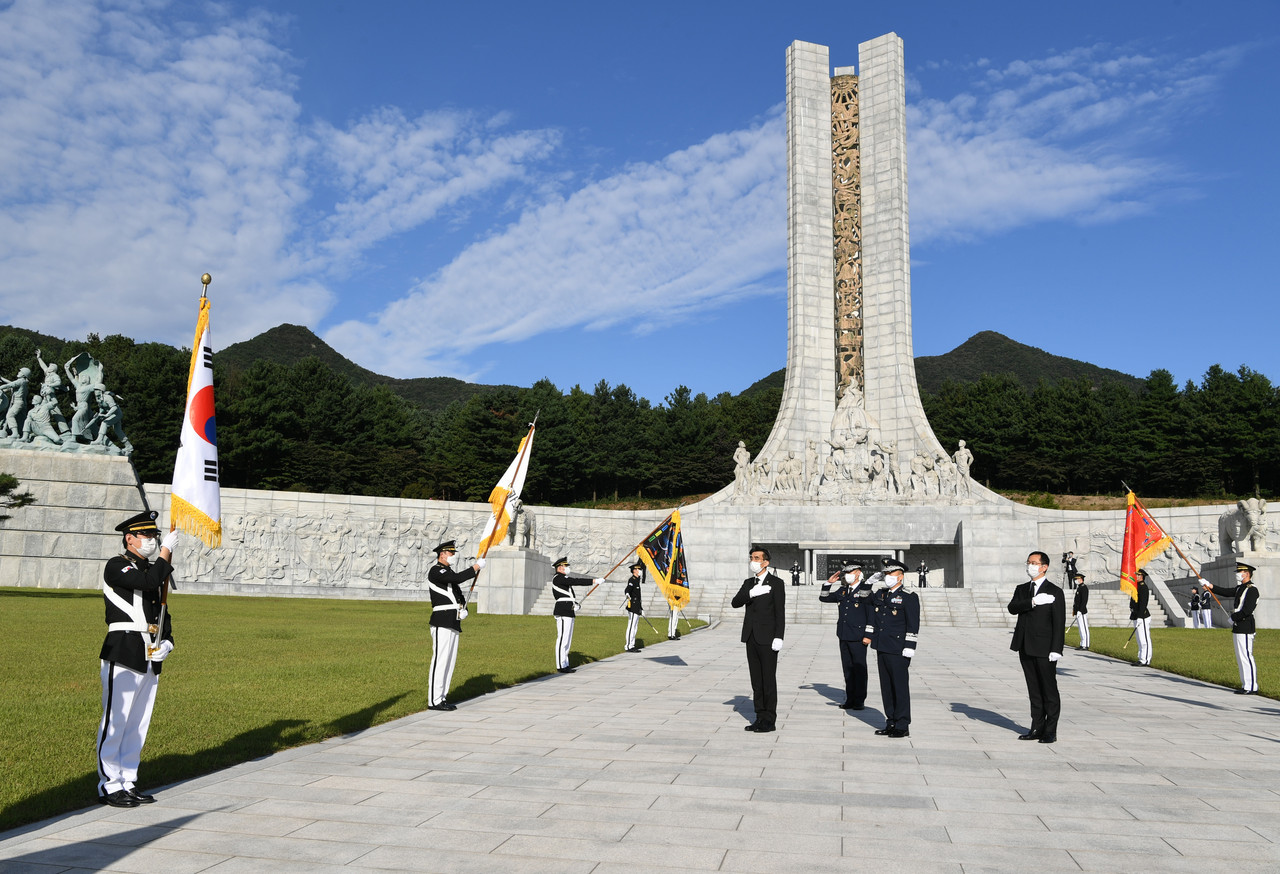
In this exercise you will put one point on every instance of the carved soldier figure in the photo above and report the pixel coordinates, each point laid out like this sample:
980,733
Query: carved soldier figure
963,459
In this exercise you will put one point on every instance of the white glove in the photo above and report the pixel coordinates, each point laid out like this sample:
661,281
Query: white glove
877,577
1054,656
598,580
462,613
777,644
909,652
760,589
162,651
1042,599
479,563
170,540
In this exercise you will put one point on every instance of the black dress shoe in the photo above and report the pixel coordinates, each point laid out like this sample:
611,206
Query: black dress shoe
764,728
568,670
1031,735
884,731
755,726
1241,692
140,797
119,798
1049,739
900,732
443,705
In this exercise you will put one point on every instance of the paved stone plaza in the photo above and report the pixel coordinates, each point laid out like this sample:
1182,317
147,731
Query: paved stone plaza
640,763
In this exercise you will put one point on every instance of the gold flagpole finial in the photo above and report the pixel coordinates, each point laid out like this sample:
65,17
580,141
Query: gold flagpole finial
205,280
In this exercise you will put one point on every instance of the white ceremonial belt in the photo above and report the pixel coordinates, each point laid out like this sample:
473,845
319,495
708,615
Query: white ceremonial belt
128,626
445,607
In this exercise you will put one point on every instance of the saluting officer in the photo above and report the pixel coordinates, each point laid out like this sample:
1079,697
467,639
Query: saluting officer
565,610
892,633
634,605
1140,615
1242,624
854,598
135,646
448,609
1080,610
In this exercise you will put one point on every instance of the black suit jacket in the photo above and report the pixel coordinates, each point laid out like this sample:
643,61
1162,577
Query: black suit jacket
766,615
1040,630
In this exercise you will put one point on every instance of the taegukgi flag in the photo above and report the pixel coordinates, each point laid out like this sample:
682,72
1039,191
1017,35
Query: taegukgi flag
195,504
507,488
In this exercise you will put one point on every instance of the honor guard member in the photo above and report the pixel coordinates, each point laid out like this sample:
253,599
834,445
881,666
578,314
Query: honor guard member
448,609
764,597
673,623
139,639
892,633
1140,615
565,610
1193,607
1038,637
1206,609
854,598
1080,610
1242,624
634,605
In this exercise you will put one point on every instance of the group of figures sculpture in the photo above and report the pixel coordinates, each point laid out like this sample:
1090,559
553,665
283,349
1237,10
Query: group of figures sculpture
32,416
853,466
348,548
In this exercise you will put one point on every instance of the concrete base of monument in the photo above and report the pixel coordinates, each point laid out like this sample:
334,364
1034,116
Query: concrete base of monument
511,581
1222,572
62,540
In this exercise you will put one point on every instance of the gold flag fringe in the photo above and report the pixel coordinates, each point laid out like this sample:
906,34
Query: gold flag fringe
185,516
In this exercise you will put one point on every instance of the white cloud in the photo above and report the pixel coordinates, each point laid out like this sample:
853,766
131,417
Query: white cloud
1074,136
141,150
703,227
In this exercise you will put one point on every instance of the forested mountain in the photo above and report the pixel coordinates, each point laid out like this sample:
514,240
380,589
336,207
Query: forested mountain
293,414
988,353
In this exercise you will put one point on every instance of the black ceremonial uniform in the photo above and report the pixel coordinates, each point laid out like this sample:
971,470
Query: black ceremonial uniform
565,610
446,595
635,609
1243,628
855,615
632,593
134,582
1080,604
1140,615
895,626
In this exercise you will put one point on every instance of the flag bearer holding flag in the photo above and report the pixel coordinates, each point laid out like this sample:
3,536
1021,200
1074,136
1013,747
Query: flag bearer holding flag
1242,624
566,609
634,605
139,638
448,609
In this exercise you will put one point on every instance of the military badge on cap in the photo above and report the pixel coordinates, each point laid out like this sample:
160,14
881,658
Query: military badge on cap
1241,567
447,546
143,523
850,567
892,564
560,561
638,566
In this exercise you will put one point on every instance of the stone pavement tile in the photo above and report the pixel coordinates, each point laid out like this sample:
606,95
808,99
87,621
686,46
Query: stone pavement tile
564,826
406,859
310,811
598,798
711,818
353,790
751,862
1113,862
619,787
252,789
191,841
862,799
317,769
246,865
644,856
1224,849
424,837
999,836
1157,828
248,822
775,840
111,857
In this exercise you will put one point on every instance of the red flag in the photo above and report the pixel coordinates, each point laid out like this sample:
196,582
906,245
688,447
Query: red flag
1144,539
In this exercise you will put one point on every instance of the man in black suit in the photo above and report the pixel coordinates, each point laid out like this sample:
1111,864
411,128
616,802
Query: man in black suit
763,594
1037,639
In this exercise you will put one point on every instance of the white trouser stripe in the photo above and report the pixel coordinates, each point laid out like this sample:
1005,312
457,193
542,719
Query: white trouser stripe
1084,629
564,640
444,656
127,701
633,620
1244,659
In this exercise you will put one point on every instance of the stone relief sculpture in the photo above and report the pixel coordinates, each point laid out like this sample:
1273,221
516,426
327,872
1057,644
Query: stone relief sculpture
1247,523
39,422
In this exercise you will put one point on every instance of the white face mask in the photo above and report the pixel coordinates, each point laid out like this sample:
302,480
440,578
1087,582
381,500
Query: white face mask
756,567
446,558
1240,577
148,546
1033,571
851,578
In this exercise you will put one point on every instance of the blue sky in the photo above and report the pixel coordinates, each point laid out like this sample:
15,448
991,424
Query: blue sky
582,191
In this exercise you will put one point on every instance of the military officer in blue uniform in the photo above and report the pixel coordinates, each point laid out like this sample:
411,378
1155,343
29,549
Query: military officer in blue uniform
448,609
892,633
137,643
634,605
565,610
854,598
1243,625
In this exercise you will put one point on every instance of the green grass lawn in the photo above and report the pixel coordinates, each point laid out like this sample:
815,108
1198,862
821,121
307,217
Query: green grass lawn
248,677
1201,653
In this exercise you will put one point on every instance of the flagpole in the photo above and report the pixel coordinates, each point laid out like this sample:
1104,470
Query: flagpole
629,551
